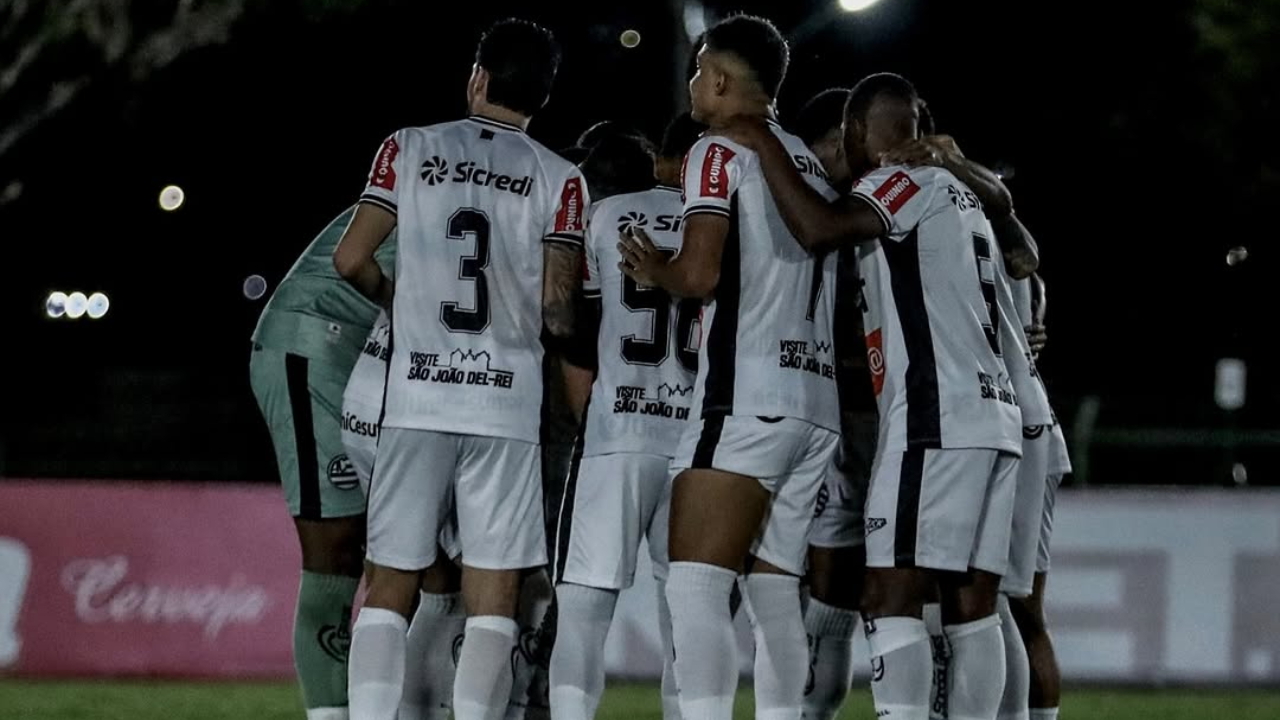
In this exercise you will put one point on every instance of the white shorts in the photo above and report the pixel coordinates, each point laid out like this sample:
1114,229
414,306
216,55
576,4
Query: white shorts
843,499
947,510
360,438
610,502
789,457
1028,512
1051,484
492,485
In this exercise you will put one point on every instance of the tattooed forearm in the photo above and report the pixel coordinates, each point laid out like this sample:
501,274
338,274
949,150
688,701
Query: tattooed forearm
561,285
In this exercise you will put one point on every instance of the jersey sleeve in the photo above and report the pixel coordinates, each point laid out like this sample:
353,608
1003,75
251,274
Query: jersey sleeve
388,168
591,259
713,171
569,223
897,195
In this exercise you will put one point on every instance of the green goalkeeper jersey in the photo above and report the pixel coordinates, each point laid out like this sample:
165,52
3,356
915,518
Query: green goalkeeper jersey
314,312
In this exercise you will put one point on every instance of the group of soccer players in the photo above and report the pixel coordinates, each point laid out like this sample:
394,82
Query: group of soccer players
788,357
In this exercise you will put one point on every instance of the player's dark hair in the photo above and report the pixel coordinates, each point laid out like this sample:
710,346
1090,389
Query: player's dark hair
573,154
873,86
681,133
823,113
618,164
522,59
758,43
610,128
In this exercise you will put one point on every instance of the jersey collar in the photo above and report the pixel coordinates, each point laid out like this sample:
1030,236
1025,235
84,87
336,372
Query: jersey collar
495,123
667,187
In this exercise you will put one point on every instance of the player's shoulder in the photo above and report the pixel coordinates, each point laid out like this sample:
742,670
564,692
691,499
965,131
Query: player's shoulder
717,148
900,180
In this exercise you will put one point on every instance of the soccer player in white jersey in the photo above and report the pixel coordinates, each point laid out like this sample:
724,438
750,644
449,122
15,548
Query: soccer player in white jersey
619,488
940,504
765,416
490,235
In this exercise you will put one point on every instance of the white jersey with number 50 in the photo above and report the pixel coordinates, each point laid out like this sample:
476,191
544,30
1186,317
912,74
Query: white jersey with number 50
474,201
648,342
767,330
932,316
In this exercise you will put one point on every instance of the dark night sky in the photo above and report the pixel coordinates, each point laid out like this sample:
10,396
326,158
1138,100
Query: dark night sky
1135,155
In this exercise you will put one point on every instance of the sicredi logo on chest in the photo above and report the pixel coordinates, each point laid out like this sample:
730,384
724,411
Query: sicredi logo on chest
435,171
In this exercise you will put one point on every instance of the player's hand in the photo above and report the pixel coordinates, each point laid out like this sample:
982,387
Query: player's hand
1037,338
641,260
746,130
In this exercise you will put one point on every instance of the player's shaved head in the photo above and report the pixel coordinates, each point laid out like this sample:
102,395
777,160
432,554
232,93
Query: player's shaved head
756,46
522,59
882,113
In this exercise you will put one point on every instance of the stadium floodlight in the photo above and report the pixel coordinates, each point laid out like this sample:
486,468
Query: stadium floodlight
856,5
255,286
172,197
77,304
55,306
99,304
629,38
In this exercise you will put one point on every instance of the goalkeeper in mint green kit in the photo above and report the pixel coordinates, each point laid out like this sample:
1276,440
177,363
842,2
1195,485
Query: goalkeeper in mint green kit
307,340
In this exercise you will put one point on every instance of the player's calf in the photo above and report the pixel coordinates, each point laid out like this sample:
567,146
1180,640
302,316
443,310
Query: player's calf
1045,689
830,622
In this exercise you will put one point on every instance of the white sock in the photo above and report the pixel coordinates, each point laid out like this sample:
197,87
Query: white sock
375,671
670,698
830,630
901,667
1044,713
706,657
577,660
429,671
329,713
1017,673
782,655
941,662
529,673
977,669
482,686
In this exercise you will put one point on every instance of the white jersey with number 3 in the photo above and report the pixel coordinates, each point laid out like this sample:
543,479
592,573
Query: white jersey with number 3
474,201
767,330
932,316
648,342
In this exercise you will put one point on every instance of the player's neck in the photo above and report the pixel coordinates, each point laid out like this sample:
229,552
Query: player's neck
500,114
751,107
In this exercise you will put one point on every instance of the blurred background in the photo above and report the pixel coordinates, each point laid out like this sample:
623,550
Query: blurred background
1137,138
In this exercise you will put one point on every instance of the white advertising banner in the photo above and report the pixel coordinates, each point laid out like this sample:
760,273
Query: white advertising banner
1157,585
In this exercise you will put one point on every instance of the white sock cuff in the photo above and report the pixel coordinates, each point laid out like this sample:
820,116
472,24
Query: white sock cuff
1044,713
823,620
958,631
372,616
327,713
494,623
895,633
691,575
439,604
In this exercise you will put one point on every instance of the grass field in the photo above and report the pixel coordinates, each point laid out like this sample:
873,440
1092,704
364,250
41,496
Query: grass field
24,700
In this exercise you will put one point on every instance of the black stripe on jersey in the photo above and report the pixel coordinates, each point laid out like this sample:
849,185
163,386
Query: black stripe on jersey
907,522
704,453
495,123
722,337
564,239
708,209
924,415
379,202
304,436
880,209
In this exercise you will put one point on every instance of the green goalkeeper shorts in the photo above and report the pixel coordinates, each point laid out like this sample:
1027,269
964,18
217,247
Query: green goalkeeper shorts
301,400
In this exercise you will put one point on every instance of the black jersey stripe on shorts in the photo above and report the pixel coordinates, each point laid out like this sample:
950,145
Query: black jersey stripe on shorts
722,340
304,435
907,522
564,523
924,414
704,453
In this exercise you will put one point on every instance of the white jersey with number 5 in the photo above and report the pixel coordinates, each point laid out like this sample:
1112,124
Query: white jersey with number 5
474,201
932,317
767,330
648,343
